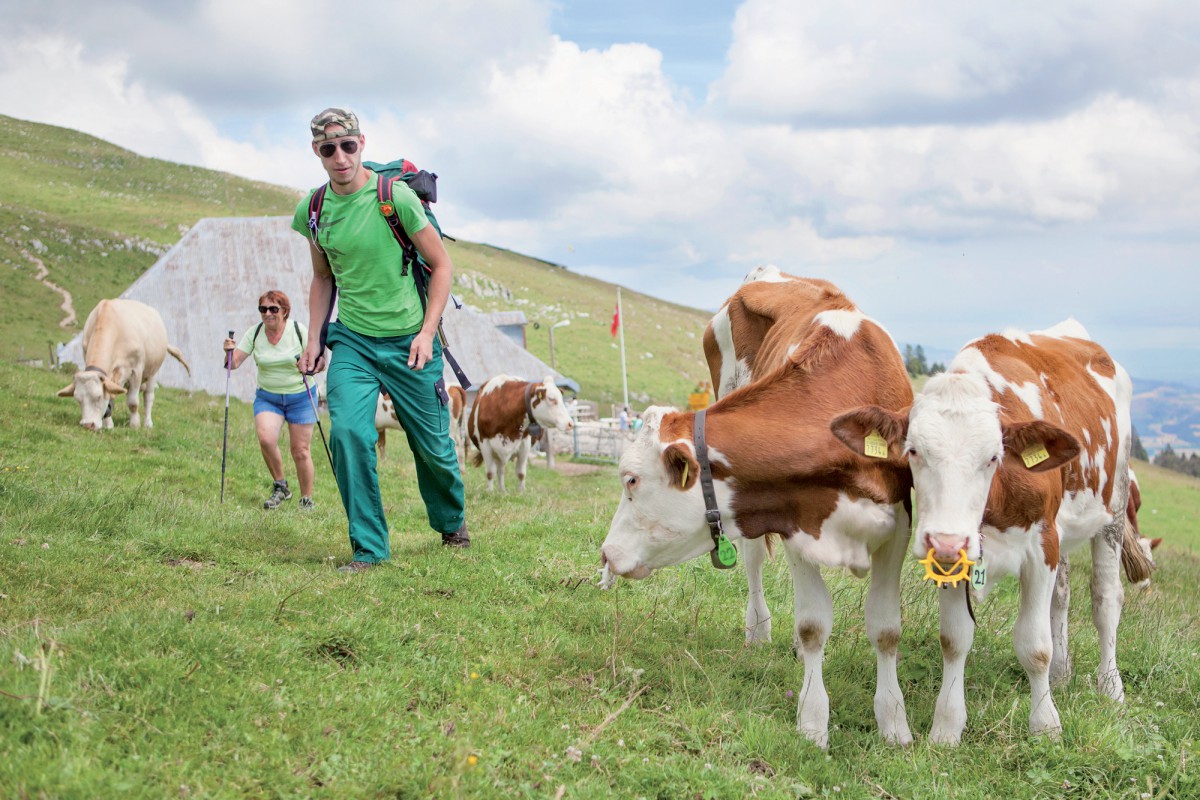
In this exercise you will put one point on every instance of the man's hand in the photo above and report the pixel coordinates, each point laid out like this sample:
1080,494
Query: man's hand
310,361
420,351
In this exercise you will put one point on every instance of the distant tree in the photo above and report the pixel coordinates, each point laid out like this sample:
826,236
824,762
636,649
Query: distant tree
914,361
1167,458
937,367
1137,450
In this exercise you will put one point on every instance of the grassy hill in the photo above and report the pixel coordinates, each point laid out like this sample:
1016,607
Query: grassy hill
97,216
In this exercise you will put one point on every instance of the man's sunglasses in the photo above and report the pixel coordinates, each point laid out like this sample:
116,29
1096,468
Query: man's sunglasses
349,146
265,309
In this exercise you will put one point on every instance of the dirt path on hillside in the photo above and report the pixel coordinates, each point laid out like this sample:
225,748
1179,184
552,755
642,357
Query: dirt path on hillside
67,305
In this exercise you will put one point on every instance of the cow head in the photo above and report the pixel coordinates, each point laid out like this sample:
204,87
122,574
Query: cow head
94,392
954,440
549,409
660,518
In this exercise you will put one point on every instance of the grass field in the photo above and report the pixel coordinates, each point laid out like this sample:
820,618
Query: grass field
156,643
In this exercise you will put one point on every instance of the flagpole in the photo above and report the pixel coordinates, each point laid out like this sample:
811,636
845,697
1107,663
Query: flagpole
621,330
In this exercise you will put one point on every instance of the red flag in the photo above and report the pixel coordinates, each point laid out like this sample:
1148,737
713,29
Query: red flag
616,323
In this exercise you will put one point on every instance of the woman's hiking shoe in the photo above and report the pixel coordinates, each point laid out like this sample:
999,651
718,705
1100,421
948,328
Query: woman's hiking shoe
277,497
457,539
306,504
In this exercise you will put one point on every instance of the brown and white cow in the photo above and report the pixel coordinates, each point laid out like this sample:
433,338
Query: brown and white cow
778,470
124,345
732,341
387,418
500,421
1018,454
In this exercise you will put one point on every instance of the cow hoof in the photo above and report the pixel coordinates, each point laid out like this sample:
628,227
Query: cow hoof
819,738
759,634
949,738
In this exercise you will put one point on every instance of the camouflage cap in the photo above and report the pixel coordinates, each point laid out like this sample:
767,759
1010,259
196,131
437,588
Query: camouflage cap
334,116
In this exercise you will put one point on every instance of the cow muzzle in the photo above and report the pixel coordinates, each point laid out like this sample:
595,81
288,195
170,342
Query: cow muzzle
945,547
614,558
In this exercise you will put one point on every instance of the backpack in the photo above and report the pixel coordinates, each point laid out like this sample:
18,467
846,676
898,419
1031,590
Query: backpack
424,186
258,330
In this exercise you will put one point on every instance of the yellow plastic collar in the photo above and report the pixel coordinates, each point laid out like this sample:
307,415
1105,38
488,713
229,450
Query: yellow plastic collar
958,571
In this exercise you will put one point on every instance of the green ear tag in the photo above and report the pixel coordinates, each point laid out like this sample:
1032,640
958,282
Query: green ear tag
726,552
979,573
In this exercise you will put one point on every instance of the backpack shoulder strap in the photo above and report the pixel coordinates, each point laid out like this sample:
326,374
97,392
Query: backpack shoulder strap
315,201
296,325
386,193
254,338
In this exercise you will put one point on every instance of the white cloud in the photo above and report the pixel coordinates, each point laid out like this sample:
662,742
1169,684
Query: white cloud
927,62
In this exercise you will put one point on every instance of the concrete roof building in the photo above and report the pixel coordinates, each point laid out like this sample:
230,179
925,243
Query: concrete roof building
208,283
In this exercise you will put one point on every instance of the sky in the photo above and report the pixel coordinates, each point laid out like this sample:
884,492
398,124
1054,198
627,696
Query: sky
956,168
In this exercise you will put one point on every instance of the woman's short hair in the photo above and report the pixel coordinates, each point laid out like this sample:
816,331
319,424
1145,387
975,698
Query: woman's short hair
276,297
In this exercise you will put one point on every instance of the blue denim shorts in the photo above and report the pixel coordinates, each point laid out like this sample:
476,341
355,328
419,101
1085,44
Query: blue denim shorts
297,409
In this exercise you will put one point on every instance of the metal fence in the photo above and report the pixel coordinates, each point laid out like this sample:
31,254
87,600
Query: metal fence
600,440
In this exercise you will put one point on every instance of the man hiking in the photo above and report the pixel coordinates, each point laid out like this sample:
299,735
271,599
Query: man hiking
381,340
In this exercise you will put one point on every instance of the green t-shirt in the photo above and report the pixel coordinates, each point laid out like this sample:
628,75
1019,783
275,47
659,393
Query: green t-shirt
373,298
277,362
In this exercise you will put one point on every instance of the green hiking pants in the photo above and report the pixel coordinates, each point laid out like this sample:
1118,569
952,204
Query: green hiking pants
360,367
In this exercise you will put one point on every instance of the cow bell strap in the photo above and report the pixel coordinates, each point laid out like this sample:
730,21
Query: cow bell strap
723,554
533,429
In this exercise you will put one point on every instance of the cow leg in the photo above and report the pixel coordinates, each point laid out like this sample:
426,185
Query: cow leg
758,616
148,400
1034,643
883,629
1108,595
381,443
131,399
489,464
814,620
1060,662
522,462
957,636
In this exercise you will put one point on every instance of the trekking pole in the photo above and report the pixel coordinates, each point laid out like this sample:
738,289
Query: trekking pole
225,436
313,400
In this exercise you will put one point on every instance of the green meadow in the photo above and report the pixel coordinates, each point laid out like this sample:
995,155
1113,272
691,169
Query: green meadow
155,642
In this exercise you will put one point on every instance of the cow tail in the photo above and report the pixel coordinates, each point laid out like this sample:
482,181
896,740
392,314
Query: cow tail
1137,566
178,354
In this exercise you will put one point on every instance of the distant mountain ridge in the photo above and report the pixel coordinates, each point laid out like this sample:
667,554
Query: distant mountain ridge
1166,413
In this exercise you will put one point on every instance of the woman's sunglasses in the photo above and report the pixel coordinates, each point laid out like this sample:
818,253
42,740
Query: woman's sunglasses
349,146
265,309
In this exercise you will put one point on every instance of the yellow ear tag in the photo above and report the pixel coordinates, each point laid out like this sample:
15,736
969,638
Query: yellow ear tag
875,446
1035,454
683,483
958,571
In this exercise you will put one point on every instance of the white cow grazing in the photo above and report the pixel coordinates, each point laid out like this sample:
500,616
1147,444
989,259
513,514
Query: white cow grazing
1018,455
124,345
501,420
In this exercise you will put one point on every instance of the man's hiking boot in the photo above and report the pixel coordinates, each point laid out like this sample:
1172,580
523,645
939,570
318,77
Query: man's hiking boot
306,504
277,497
354,567
457,539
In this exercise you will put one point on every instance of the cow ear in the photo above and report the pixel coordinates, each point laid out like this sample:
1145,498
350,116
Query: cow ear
68,390
113,388
682,467
855,427
1039,446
